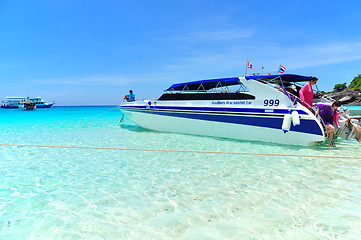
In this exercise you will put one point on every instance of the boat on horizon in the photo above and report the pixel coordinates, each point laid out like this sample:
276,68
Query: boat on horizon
27,106
15,102
256,108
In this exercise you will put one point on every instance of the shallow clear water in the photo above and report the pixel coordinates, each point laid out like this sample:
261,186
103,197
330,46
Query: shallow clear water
355,110
64,193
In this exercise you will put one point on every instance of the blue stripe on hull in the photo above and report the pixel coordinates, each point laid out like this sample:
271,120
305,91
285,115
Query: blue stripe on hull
44,106
218,109
306,125
13,107
232,110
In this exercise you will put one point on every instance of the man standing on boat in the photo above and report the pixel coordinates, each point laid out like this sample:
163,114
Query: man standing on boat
306,93
130,97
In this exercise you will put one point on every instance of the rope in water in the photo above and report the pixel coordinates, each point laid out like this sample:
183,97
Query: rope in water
103,112
179,151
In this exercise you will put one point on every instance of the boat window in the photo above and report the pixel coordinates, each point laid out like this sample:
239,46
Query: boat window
232,88
206,96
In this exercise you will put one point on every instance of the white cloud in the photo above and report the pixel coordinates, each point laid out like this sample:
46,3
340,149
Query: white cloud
213,36
8,66
314,55
270,57
231,61
91,80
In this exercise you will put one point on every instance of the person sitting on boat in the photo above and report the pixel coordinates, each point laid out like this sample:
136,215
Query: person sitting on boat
326,113
130,97
306,93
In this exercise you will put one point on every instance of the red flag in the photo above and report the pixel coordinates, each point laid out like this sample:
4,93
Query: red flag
249,65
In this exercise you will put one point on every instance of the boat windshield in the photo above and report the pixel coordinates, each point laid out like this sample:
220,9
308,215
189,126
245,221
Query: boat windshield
204,85
282,80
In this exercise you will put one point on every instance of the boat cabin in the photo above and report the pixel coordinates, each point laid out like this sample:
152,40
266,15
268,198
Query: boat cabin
232,88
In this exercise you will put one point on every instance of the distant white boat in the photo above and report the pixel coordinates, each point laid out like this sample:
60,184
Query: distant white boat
15,102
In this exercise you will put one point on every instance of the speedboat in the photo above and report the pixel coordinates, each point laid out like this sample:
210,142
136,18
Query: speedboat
15,102
257,108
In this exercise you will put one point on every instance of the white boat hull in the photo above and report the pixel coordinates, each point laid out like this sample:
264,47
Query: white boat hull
188,125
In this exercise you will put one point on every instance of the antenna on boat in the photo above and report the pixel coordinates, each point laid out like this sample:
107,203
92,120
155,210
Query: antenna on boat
245,73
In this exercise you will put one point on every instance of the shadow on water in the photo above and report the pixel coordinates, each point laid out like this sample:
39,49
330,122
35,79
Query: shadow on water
269,144
134,128
321,147
318,147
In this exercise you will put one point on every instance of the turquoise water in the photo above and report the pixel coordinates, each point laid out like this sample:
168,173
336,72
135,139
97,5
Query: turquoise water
64,193
355,109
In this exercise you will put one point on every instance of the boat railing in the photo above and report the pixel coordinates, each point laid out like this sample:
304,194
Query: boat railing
296,99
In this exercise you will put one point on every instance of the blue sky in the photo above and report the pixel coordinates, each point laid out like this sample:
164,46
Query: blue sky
92,52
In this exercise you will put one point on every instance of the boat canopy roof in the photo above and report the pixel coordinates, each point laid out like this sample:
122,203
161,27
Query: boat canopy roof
223,82
204,84
283,77
15,97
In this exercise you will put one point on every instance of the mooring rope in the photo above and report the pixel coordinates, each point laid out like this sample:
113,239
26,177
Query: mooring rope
103,112
179,151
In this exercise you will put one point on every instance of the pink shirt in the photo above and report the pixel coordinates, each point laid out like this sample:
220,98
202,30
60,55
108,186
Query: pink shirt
306,94
336,119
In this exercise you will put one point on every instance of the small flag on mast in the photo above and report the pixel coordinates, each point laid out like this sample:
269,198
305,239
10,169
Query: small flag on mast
282,69
249,65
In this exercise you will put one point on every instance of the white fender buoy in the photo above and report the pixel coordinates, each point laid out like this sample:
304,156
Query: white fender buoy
286,124
295,118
